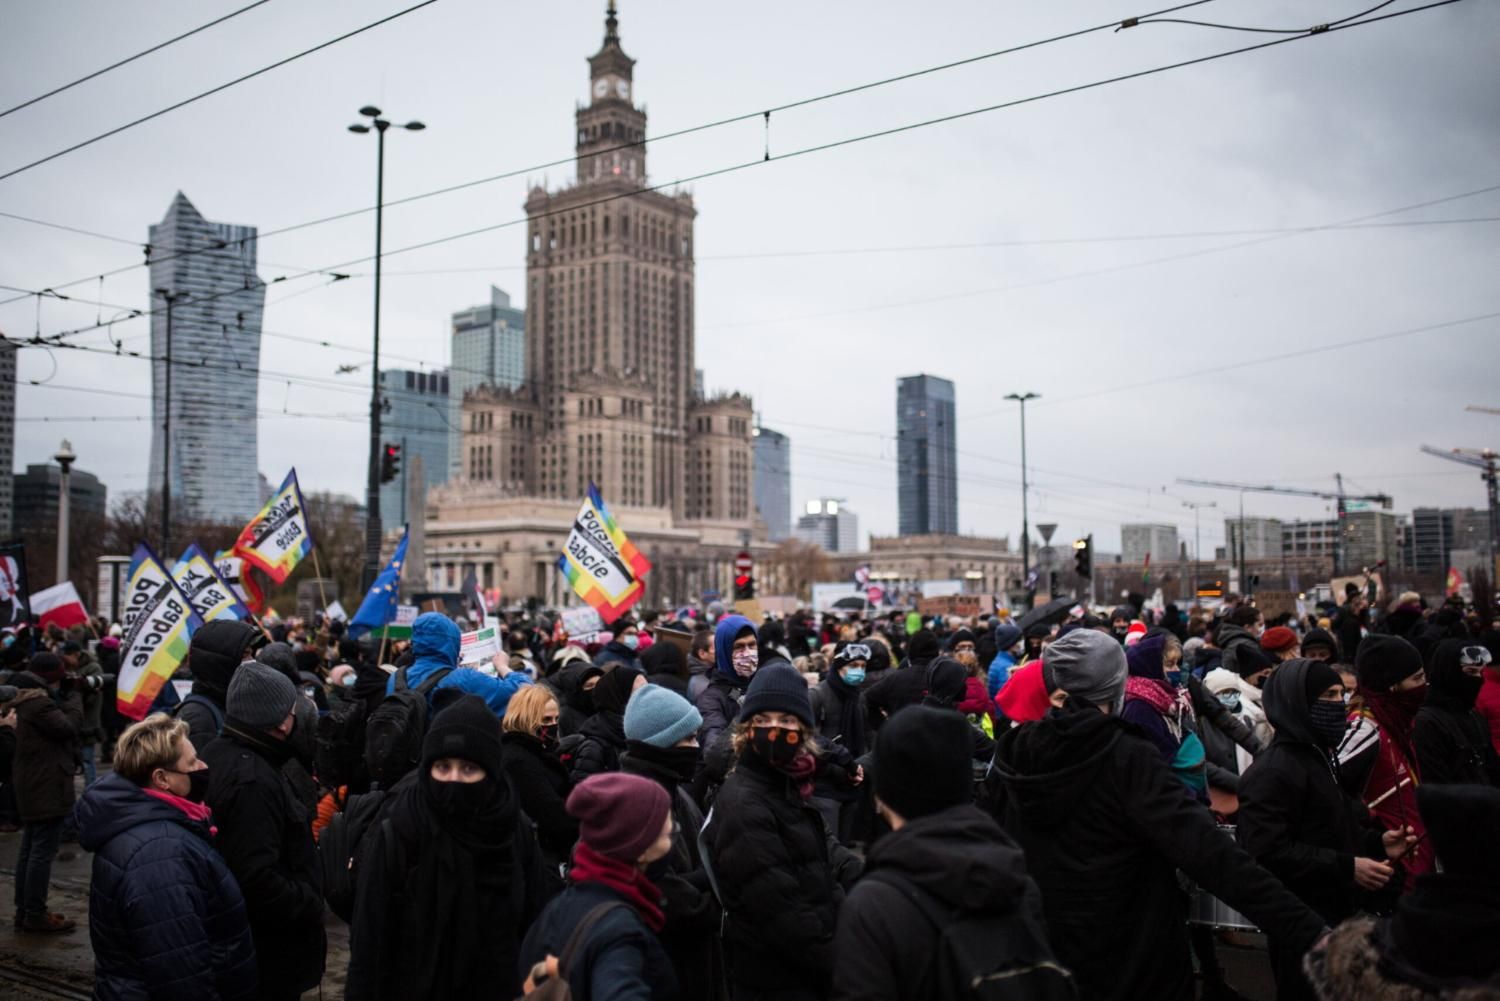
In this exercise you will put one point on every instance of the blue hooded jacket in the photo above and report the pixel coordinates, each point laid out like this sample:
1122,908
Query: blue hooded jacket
166,919
434,639
729,627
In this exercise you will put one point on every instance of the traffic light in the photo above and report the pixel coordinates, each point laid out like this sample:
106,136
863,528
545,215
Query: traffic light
1083,557
744,587
390,463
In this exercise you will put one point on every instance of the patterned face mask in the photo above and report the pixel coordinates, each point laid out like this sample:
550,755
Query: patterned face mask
1230,700
745,661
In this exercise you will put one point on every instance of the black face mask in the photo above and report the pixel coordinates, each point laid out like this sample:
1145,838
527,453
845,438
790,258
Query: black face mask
1328,720
548,736
682,762
776,745
197,784
460,801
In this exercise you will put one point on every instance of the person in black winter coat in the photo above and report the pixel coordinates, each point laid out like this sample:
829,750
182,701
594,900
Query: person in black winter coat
450,879
574,685
611,913
666,665
604,732
1105,826
540,779
780,873
1296,821
1450,737
662,732
736,659
1440,941
217,650
47,714
166,919
944,856
265,833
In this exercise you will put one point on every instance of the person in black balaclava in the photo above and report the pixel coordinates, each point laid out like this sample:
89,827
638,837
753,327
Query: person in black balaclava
604,732
1297,822
1119,622
574,686
217,650
947,682
1450,736
450,885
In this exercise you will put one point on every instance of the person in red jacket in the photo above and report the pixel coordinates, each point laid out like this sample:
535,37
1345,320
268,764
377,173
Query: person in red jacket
1488,702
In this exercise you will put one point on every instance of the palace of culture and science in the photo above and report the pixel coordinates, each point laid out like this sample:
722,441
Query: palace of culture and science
610,390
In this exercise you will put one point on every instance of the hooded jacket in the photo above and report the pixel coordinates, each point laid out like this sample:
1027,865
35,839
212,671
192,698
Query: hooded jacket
218,649
1250,712
1450,736
166,919
46,747
1105,825
574,704
720,702
1294,817
1230,639
964,863
435,641
604,732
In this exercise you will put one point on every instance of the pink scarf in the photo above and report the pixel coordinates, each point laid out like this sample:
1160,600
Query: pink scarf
195,811
1166,699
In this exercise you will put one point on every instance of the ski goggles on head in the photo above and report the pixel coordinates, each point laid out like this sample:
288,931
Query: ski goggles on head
854,651
1474,656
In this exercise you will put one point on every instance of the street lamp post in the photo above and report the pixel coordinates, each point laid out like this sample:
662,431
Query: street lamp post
171,299
1197,538
1021,398
65,458
372,482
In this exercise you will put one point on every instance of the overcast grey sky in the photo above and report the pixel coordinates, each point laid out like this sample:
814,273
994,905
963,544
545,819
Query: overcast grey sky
1156,358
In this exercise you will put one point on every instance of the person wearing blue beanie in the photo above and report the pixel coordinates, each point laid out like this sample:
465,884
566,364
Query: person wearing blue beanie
660,717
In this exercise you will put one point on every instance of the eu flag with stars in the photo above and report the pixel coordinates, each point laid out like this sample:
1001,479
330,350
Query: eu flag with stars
379,606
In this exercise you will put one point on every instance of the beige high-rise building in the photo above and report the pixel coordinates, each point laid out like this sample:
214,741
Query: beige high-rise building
609,393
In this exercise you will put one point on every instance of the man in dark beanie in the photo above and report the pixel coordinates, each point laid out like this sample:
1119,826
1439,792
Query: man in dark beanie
217,650
1319,644
944,858
265,832
48,717
1451,738
1440,942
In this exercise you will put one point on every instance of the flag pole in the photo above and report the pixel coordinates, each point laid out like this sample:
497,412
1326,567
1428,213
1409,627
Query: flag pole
380,657
319,571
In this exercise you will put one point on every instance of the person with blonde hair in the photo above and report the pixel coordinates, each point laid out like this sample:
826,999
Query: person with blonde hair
166,918
529,735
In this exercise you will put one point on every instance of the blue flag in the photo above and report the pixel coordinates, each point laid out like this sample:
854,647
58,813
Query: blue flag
379,606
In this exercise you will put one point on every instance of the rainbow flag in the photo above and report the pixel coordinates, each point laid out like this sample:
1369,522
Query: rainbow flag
599,561
210,596
159,622
278,538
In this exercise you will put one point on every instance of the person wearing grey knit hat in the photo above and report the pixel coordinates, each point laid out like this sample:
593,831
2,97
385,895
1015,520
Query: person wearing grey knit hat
261,698
1090,667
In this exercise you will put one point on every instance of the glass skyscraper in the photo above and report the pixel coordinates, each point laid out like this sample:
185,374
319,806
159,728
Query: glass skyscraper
212,455
489,349
926,456
773,482
416,418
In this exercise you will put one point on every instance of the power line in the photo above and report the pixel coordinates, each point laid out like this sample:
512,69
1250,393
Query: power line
212,90
838,143
1312,30
130,59
747,116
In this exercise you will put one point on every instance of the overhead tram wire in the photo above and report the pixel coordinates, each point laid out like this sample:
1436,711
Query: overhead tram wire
1310,30
130,59
735,119
822,147
213,90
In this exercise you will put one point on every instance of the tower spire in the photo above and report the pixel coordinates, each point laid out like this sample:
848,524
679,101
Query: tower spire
611,25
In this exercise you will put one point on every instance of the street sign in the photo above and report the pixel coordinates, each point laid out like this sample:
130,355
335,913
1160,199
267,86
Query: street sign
743,563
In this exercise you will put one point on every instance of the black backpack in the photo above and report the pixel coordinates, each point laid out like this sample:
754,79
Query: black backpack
972,962
338,849
394,731
341,743
194,698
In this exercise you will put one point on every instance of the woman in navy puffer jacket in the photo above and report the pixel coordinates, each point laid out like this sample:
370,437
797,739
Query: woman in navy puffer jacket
166,918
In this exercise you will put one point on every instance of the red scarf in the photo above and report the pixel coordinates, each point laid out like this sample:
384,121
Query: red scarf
195,811
801,769
622,877
1166,698
1396,713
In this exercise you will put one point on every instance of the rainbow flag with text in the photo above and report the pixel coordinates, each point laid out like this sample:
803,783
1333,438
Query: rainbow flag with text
601,564
159,622
278,538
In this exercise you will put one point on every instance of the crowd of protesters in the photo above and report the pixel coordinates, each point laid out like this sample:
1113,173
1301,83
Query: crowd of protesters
699,806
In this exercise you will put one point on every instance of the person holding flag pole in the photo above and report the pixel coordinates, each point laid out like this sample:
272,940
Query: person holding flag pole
378,609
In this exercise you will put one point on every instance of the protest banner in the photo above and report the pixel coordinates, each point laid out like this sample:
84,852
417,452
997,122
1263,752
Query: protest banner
158,625
601,564
479,646
278,538
210,597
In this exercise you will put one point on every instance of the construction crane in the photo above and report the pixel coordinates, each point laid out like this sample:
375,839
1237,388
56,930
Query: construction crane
1494,411
1339,495
1479,458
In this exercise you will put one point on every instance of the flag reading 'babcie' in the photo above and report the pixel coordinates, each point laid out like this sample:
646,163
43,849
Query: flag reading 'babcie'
600,562
278,538
211,597
159,622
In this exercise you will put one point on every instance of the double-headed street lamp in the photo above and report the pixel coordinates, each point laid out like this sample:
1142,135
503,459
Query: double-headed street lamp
372,483
1021,398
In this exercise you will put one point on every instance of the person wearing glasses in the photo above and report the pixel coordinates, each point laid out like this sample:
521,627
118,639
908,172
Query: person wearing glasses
1450,736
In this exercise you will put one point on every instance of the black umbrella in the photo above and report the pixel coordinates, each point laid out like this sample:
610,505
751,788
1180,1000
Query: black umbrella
1052,613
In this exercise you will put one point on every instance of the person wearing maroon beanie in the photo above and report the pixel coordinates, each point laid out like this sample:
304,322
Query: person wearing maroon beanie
1281,643
609,917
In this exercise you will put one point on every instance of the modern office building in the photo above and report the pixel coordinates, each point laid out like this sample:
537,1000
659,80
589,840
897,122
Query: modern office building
417,419
7,436
773,482
1262,538
1138,541
926,456
1369,537
207,271
1437,532
489,349
36,496
830,524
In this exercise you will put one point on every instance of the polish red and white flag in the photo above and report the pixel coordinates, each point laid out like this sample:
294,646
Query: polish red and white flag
59,605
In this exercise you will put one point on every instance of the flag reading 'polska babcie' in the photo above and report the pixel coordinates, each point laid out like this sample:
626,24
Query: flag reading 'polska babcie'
278,538
159,622
600,562
210,597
